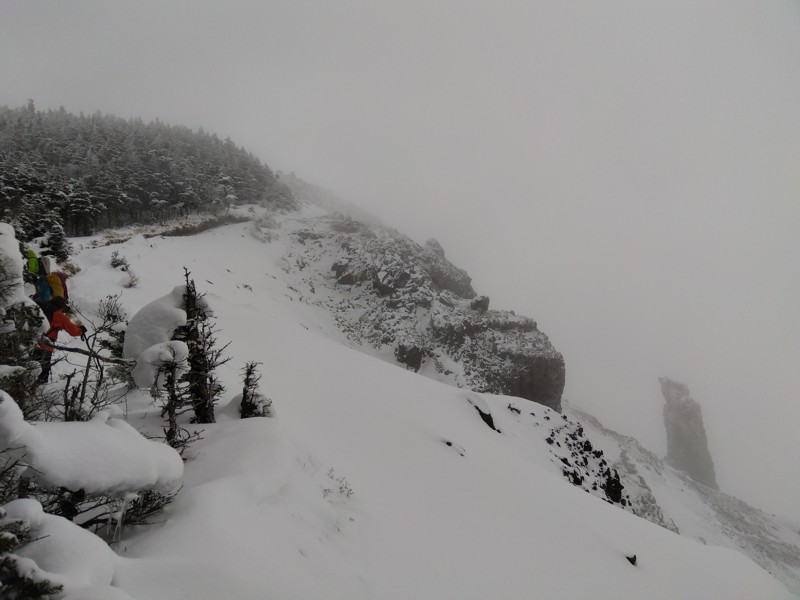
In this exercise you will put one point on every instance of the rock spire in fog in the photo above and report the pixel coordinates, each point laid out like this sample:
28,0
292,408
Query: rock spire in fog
687,445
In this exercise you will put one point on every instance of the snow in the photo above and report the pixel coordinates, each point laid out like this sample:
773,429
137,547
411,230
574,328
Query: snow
148,337
105,592
6,370
13,428
155,357
102,456
155,323
265,509
67,555
14,285
9,250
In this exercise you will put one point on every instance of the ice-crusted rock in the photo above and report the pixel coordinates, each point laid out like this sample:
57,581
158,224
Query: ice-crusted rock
408,301
687,445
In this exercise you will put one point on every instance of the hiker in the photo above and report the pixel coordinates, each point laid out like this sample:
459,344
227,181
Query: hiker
43,353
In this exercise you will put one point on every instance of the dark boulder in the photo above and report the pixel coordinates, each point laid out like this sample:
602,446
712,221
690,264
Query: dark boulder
410,356
481,304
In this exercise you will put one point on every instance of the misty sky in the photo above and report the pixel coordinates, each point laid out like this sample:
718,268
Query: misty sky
625,172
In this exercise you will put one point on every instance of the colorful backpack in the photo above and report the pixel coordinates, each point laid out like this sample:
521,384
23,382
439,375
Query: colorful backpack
43,292
55,285
33,262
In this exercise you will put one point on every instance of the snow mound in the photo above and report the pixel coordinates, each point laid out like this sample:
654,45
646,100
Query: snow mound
150,362
155,323
67,555
66,454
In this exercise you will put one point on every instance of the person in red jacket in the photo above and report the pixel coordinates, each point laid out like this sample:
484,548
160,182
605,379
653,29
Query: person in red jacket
58,322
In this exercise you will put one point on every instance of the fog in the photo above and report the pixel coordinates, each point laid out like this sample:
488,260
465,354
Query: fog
627,173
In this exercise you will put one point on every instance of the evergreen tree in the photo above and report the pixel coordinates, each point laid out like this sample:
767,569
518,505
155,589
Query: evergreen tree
102,171
199,334
56,243
20,325
254,403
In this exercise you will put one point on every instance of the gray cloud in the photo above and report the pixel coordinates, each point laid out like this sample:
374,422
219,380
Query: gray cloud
626,173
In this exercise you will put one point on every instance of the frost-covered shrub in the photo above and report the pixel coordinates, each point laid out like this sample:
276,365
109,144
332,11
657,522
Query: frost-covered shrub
104,379
252,403
132,281
118,261
340,488
9,475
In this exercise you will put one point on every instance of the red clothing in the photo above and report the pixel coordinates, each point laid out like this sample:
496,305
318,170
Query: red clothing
58,322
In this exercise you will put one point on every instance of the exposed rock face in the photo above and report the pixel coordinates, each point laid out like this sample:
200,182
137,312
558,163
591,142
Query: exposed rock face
687,445
580,462
672,499
408,301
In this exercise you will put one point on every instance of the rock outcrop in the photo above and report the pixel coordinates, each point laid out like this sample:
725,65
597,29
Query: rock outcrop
673,500
687,445
408,301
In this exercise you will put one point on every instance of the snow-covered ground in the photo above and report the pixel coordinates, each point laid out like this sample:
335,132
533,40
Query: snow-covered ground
371,482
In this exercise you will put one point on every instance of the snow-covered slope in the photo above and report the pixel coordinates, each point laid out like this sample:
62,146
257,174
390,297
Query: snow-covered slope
669,497
373,481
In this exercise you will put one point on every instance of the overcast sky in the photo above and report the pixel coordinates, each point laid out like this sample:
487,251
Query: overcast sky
625,172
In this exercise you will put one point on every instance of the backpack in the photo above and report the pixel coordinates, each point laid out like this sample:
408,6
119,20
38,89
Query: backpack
63,279
56,286
33,262
43,292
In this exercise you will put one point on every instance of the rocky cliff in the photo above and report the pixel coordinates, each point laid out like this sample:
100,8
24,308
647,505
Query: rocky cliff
410,303
687,445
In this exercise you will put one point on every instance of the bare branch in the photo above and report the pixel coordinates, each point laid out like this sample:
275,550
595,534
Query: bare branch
119,361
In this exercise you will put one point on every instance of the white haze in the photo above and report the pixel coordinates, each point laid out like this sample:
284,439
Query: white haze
627,173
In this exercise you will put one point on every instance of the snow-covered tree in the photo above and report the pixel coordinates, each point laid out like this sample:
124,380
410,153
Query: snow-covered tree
56,242
21,323
199,334
253,402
